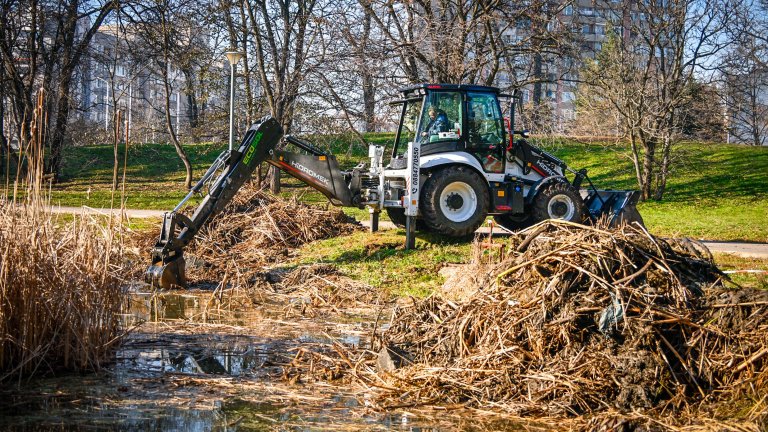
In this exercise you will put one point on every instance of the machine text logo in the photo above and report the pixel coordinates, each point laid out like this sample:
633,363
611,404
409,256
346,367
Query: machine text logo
415,171
252,149
309,172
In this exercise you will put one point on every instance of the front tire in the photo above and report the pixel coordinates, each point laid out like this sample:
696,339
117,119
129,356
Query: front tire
559,201
454,201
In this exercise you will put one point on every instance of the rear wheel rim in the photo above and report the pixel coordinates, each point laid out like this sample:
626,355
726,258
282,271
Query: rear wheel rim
458,202
561,206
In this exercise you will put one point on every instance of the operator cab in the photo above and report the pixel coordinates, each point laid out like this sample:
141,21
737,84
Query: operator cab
452,117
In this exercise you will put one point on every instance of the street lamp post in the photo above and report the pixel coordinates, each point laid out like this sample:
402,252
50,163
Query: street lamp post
233,57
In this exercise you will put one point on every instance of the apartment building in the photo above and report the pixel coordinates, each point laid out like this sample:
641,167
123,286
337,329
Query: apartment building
116,77
588,23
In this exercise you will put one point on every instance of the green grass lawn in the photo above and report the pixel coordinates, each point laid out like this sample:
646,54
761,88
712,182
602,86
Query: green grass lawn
715,191
380,259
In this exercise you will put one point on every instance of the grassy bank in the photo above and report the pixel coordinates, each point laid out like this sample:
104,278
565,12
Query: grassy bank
714,192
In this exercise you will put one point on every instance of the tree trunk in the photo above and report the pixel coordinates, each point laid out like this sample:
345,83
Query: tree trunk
3,141
274,179
369,102
116,141
537,71
649,156
60,128
171,132
369,86
661,184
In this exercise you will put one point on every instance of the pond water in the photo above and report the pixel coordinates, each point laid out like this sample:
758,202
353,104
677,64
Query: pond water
192,367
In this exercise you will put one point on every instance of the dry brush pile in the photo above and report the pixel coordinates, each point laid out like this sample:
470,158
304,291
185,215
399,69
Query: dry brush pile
578,320
60,297
258,230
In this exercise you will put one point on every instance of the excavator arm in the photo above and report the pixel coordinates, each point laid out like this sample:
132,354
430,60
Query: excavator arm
234,168
231,170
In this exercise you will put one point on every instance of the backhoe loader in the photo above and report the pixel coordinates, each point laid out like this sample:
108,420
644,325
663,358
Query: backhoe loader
454,162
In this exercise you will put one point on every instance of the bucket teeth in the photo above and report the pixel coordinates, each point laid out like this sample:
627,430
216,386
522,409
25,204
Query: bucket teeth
167,276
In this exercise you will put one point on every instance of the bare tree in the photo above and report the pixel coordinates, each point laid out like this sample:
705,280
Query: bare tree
41,46
455,41
159,25
744,75
643,73
286,51
746,101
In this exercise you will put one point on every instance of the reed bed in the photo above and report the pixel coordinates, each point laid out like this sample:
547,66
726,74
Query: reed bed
60,295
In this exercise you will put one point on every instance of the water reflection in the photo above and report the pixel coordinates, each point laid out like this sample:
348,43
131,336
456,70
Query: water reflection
203,355
134,395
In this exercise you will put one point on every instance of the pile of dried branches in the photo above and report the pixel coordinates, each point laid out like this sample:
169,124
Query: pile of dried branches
581,320
320,286
60,297
255,229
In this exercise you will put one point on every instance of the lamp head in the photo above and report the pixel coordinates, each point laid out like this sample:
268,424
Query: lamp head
233,56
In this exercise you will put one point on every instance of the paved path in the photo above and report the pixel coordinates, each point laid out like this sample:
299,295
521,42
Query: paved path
132,213
748,250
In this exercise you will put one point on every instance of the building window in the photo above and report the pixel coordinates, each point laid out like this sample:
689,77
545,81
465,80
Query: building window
599,29
598,46
587,11
568,11
586,29
120,71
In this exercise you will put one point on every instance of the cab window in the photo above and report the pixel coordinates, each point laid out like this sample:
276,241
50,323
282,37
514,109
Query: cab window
441,117
484,121
408,127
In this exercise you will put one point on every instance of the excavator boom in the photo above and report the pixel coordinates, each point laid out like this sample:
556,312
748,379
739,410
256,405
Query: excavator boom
233,168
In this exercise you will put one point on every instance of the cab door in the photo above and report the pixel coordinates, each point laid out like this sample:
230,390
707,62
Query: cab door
485,131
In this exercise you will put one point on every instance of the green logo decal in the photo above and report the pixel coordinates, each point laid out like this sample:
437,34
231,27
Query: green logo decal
252,149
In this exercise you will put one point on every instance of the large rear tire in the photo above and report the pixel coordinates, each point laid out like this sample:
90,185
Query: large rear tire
454,201
558,201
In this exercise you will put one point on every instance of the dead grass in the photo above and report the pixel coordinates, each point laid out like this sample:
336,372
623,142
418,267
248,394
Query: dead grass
60,296
612,329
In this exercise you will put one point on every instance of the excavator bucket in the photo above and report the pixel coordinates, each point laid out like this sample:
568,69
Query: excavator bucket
168,275
614,205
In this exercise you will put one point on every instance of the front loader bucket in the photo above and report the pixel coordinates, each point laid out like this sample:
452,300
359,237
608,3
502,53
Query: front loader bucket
167,275
616,206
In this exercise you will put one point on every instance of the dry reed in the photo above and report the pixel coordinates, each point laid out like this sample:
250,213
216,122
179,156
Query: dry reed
60,298
579,320
605,329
